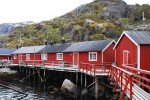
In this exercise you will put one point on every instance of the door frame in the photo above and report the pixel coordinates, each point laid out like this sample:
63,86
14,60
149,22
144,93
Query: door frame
75,53
127,57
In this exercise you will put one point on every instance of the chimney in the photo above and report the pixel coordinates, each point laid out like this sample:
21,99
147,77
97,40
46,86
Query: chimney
51,43
63,40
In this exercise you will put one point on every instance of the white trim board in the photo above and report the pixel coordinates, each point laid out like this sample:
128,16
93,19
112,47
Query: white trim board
138,57
124,33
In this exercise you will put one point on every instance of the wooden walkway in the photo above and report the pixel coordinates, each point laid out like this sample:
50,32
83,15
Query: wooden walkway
132,82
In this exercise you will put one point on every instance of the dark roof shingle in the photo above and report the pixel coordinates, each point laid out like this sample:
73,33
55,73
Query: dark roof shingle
88,46
140,37
29,49
77,47
6,51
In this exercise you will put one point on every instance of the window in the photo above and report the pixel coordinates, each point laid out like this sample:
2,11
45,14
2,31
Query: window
27,56
15,56
125,57
59,56
44,56
92,56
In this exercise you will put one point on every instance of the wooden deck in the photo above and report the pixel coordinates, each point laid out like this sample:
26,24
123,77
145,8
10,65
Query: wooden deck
122,77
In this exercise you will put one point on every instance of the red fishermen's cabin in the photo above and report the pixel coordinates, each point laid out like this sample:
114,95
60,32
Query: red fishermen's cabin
28,54
6,54
133,48
95,52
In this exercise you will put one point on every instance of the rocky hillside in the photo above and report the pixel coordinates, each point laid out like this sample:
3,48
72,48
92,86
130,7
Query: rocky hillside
9,27
100,19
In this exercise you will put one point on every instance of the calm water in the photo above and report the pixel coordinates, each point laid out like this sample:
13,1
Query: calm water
12,89
28,94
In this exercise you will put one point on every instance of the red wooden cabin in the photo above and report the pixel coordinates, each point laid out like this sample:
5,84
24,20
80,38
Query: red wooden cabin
133,48
6,54
28,54
95,52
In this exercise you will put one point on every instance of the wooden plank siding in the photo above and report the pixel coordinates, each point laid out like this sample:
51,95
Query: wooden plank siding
109,54
126,44
145,57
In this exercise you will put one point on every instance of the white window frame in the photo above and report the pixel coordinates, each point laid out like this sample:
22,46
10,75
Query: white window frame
58,56
91,59
127,52
15,56
27,56
44,56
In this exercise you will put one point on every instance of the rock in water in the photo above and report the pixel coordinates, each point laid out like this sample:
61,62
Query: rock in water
6,71
69,89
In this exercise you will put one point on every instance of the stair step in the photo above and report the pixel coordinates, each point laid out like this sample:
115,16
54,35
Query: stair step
118,90
112,80
125,98
112,83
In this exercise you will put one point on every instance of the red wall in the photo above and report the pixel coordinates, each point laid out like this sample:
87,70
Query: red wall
126,44
145,57
2,57
23,57
37,57
109,54
67,57
51,57
84,58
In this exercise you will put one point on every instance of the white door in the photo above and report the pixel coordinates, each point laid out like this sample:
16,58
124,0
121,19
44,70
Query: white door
76,58
125,57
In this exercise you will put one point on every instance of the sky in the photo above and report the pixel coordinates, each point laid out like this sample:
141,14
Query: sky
13,11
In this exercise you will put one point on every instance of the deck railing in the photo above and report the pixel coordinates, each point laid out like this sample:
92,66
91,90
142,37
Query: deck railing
124,79
141,77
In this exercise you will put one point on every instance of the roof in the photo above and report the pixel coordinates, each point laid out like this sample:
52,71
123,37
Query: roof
77,47
29,49
137,37
55,48
6,51
88,46
67,47
140,37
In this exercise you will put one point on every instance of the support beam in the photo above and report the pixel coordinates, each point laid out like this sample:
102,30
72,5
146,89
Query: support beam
96,88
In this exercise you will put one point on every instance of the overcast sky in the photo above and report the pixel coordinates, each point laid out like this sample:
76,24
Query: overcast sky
39,10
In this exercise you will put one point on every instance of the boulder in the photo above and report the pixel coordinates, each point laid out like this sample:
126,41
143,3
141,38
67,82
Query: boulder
91,90
69,89
7,71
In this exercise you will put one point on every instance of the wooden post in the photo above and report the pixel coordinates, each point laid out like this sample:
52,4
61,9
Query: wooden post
29,75
85,81
81,80
33,77
131,85
44,79
96,88
77,78
39,79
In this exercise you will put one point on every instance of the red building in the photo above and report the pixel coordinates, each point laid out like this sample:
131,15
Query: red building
6,54
28,54
95,52
133,48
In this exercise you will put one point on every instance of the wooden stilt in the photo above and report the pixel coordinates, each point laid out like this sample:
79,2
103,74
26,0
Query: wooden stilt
29,75
81,80
96,88
77,78
85,81
44,79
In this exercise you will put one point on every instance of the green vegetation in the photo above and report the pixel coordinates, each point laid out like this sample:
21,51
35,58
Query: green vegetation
86,23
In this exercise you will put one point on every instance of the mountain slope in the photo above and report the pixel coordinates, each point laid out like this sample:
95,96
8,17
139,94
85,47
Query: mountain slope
100,19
